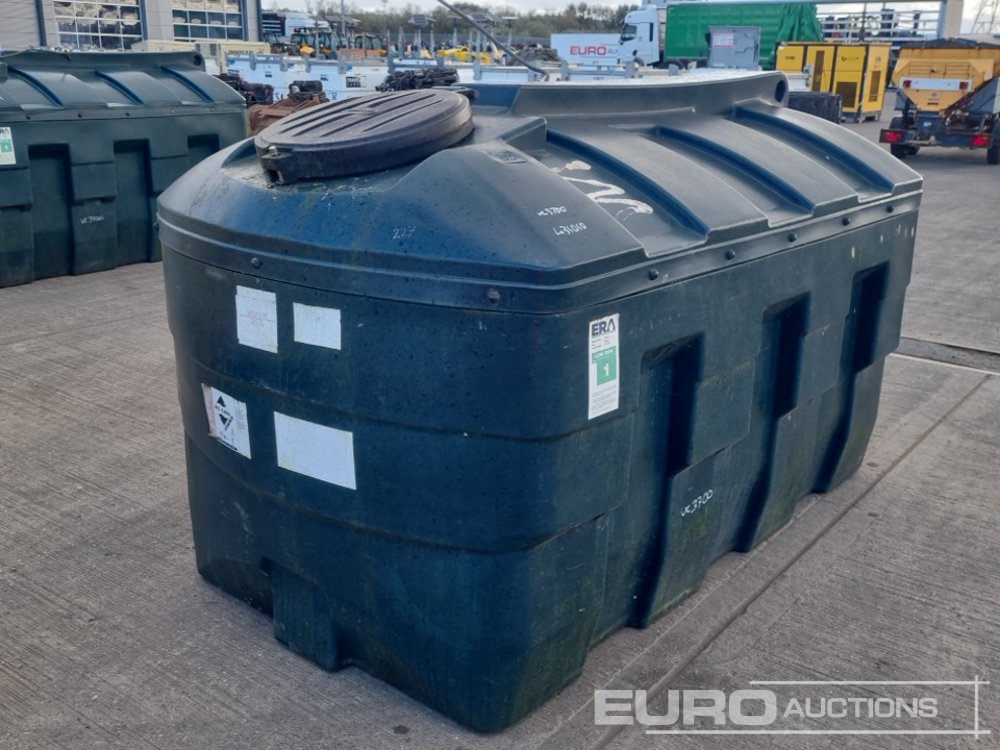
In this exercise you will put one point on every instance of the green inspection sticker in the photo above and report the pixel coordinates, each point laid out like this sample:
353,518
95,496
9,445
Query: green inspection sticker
607,365
7,156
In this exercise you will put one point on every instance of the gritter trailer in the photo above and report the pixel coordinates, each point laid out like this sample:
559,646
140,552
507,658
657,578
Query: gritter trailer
948,96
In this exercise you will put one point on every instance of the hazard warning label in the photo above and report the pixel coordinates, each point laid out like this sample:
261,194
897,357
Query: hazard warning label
227,420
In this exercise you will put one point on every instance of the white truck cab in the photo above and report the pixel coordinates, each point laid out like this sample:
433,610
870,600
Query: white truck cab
642,34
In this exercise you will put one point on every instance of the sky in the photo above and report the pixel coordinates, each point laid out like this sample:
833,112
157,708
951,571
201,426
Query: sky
519,5
543,5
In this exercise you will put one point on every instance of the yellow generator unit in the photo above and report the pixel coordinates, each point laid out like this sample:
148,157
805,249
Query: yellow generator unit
857,72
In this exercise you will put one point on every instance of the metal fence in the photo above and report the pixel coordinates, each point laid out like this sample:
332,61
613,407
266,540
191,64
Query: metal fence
881,21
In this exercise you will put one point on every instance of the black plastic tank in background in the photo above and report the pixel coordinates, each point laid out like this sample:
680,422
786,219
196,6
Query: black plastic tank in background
819,103
87,142
458,413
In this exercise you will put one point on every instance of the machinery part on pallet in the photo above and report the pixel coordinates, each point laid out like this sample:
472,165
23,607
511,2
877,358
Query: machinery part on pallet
253,93
302,95
540,54
306,87
408,80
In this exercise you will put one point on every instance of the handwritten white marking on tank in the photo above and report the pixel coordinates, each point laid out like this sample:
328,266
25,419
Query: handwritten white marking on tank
403,233
92,219
552,210
565,229
605,193
698,503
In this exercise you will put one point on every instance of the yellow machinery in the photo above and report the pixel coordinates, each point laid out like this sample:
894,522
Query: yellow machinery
463,54
857,72
934,78
950,91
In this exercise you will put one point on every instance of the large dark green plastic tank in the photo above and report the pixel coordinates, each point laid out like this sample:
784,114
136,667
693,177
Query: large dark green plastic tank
87,143
458,419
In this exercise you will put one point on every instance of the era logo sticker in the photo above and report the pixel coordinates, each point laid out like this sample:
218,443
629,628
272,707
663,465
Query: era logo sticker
602,365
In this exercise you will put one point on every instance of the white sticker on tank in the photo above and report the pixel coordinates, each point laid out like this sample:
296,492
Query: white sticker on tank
7,156
602,366
321,452
319,326
227,420
257,319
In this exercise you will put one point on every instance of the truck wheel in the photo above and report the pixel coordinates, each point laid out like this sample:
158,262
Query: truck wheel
899,151
993,154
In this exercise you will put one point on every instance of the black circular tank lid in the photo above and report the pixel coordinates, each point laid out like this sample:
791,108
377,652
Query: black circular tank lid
364,134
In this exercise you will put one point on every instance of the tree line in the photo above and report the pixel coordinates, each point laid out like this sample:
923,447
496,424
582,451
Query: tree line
534,24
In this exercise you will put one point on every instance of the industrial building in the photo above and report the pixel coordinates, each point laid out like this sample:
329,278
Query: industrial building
83,24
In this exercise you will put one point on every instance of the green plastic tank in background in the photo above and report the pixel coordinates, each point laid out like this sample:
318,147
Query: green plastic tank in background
88,141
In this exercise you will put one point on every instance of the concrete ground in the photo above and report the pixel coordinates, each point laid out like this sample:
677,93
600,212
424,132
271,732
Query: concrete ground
109,639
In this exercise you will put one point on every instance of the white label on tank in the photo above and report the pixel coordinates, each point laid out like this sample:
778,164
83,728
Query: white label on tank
7,147
319,326
257,319
227,420
602,366
321,452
